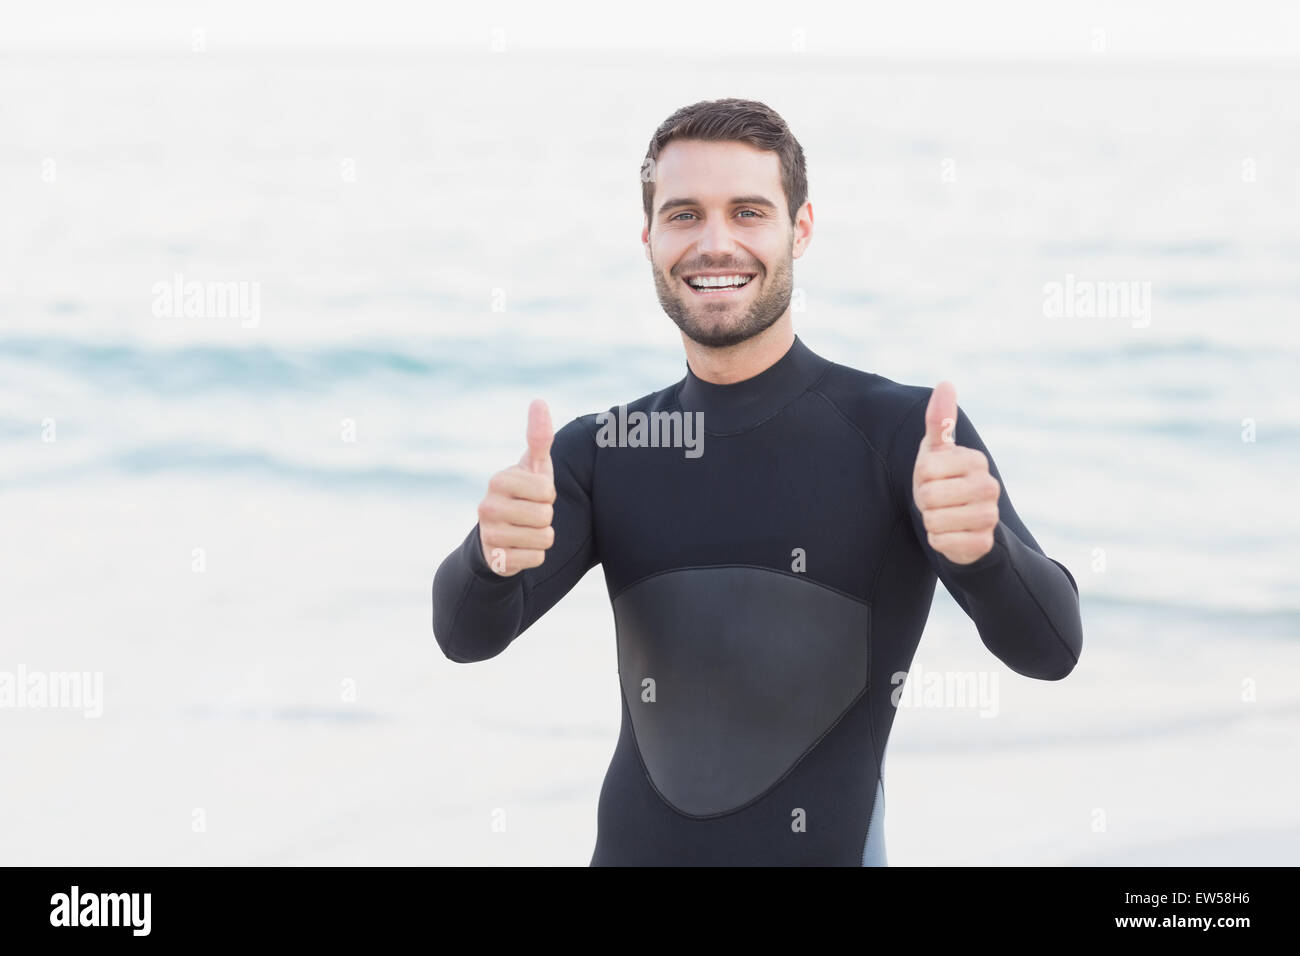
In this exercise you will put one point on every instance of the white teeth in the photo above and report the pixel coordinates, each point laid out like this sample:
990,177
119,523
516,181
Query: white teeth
715,282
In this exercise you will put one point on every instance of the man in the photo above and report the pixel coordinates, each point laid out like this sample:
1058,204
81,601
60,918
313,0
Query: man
770,571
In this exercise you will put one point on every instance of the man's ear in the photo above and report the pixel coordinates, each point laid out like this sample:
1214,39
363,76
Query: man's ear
801,230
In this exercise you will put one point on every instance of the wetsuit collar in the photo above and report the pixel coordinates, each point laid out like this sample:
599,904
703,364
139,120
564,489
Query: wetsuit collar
742,405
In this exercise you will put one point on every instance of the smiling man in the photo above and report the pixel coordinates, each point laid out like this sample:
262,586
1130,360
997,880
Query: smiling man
764,591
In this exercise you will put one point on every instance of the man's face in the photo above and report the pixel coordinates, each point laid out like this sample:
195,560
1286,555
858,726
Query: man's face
720,216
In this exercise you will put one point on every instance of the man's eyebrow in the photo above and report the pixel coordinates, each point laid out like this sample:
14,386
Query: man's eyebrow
736,201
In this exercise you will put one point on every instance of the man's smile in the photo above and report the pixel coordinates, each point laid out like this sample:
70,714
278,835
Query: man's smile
717,283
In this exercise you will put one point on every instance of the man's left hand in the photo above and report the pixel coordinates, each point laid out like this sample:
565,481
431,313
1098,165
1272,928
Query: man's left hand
952,487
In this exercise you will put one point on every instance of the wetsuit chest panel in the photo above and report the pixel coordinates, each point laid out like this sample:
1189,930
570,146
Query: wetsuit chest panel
731,674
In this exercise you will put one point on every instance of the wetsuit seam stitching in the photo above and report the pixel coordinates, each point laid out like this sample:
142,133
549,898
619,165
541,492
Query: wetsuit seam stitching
757,567
883,459
775,783
852,424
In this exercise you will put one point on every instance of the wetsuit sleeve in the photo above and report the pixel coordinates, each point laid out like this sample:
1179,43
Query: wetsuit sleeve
477,612
1025,605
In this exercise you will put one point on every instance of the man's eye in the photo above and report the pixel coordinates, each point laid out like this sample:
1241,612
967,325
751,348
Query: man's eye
754,212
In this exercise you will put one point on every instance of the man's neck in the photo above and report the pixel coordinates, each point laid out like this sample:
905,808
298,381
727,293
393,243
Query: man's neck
735,363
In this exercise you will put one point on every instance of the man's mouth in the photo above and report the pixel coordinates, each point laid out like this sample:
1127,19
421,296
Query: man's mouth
720,284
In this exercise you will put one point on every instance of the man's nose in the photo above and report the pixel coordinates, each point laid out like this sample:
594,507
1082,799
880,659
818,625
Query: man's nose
716,238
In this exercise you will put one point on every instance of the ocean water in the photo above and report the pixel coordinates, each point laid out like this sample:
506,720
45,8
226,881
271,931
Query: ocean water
425,242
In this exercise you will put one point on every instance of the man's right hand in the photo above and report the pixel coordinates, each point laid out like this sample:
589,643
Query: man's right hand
514,518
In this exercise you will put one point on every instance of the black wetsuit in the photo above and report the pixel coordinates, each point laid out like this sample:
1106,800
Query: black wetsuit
764,591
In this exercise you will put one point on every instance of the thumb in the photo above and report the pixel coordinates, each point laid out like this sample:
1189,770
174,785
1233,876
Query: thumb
941,417
538,457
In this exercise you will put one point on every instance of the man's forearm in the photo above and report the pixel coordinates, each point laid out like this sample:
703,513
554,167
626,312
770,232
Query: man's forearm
476,612
1025,606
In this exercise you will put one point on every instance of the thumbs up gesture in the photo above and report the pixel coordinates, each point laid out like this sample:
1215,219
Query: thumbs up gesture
514,517
952,487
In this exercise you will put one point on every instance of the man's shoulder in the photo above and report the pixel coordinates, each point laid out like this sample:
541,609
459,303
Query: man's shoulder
665,399
583,428
872,403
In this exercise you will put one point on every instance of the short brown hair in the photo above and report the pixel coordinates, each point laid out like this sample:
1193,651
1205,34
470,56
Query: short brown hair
735,120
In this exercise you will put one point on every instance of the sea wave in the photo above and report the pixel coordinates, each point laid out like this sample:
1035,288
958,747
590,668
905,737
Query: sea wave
459,363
